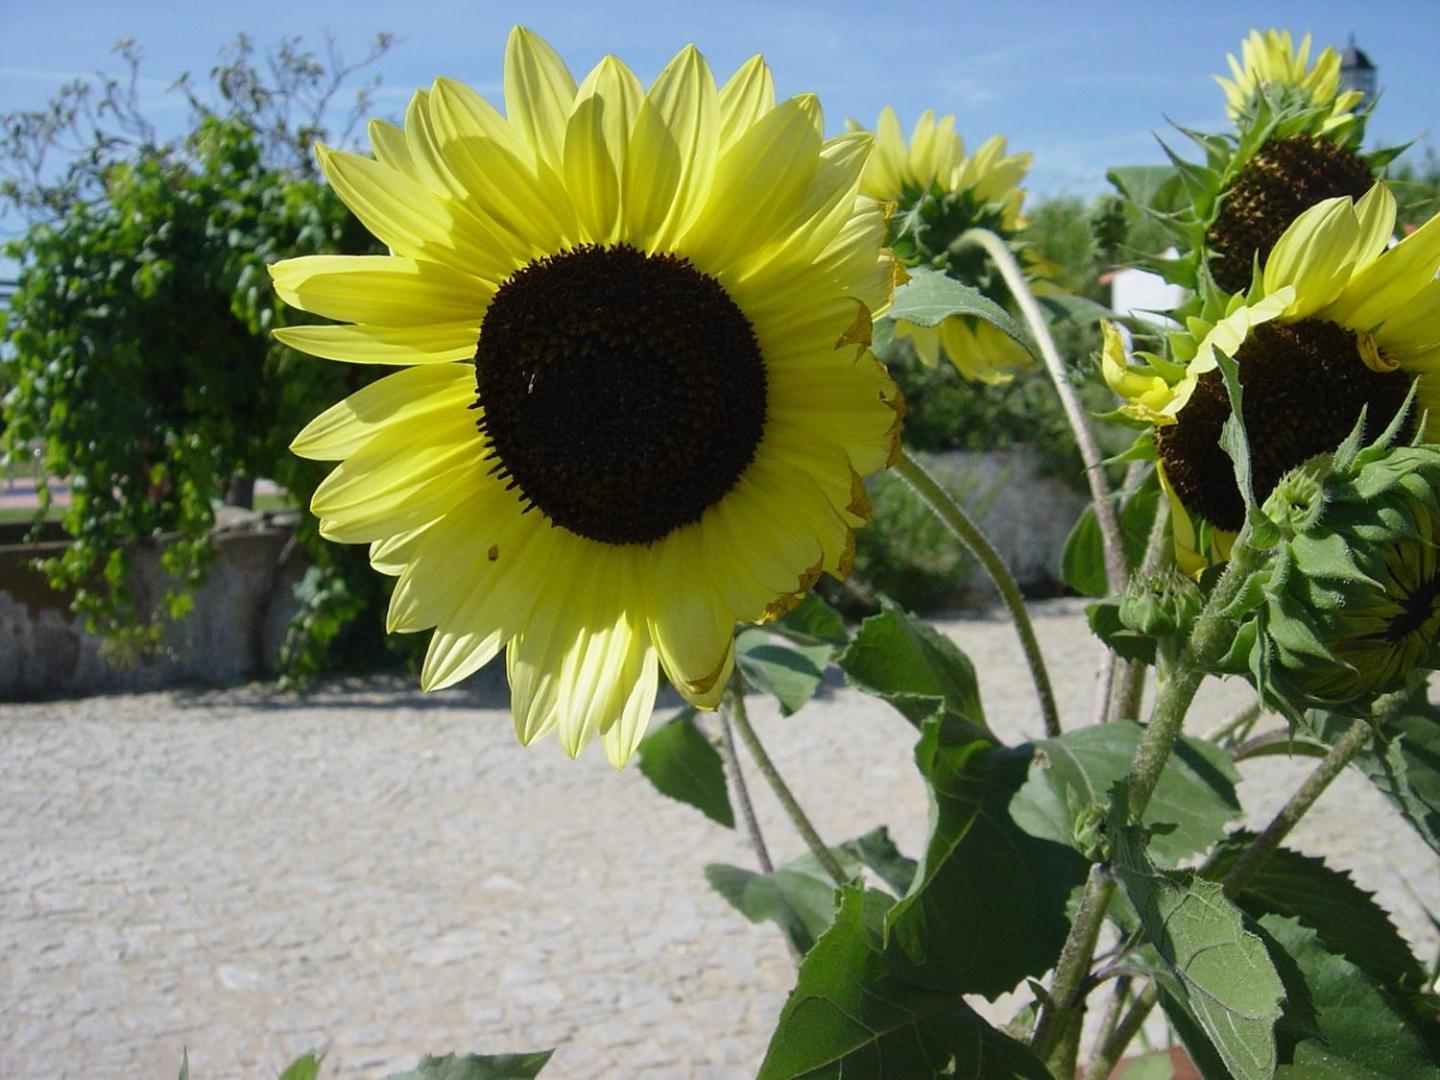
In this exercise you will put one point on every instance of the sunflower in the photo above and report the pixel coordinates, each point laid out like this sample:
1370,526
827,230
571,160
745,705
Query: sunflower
1298,145
1337,322
636,401
939,193
1271,65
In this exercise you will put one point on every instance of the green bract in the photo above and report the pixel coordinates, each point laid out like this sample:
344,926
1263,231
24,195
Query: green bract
1352,601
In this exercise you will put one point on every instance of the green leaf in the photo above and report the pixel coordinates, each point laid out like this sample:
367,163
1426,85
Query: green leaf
789,673
524,1066
811,622
682,764
989,906
1082,563
918,670
798,897
930,297
878,852
1156,1066
184,1064
848,1016
1347,919
1362,1034
305,1067
1404,762
1067,307
1155,187
1223,974
1104,620
1188,812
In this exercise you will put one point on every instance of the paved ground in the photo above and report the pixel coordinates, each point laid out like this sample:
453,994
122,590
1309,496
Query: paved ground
252,875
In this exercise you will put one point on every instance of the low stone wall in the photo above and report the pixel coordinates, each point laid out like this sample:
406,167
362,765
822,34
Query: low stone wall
233,632
240,615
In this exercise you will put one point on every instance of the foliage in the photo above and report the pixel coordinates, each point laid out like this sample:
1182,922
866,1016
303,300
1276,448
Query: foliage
1416,185
139,332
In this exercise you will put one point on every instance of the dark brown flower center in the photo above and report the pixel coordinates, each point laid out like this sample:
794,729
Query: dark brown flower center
1286,178
623,394
1304,386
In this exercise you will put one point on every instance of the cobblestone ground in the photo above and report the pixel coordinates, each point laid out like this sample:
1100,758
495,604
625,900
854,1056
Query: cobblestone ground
252,875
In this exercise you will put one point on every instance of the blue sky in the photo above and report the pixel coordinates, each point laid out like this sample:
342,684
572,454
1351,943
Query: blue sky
1081,85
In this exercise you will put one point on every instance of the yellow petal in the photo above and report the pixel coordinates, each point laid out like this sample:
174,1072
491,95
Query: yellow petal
383,289
539,93
437,343
590,171
758,185
1387,284
748,96
1315,255
405,397
672,152
388,142
690,628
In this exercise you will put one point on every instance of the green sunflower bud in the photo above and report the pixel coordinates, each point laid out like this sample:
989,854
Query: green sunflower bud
1352,604
1161,605
1298,500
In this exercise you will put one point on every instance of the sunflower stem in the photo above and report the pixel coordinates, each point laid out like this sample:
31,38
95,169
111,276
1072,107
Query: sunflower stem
1263,846
777,784
1208,641
742,795
1117,569
1114,1044
948,509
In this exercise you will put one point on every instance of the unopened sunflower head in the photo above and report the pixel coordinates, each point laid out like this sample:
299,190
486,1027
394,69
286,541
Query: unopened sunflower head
1297,144
636,401
1352,603
1337,322
939,193
1274,73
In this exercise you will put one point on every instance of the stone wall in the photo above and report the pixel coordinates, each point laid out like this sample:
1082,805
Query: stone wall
233,632
240,614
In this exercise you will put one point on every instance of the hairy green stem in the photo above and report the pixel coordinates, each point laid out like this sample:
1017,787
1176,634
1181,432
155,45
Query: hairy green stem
1117,570
1114,1044
949,510
1066,1004
742,795
1131,689
777,784
1263,846
1208,641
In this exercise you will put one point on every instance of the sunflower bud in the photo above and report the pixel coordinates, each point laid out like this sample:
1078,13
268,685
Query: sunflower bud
1352,604
1162,605
1298,499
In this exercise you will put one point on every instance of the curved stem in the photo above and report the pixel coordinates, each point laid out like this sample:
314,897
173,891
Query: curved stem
949,510
1264,845
1117,570
777,784
1050,1040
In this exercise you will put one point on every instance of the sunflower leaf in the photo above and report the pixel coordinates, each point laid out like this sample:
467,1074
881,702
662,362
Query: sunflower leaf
523,1066
1082,563
1347,919
678,759
930,297
790,673
1188,813
966,932
1222,974
1104,619
811,622
850,1015
1357,1031
911,665
305,1067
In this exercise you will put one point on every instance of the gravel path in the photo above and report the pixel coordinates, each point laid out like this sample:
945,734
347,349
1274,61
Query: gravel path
253,875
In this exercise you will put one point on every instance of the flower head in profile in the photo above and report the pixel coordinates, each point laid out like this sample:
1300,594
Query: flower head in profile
1337,322
635,401
939,192
1298,144
1271,65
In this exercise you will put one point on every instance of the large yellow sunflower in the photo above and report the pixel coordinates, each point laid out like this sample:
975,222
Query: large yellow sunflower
940,192
637,401
1337,321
